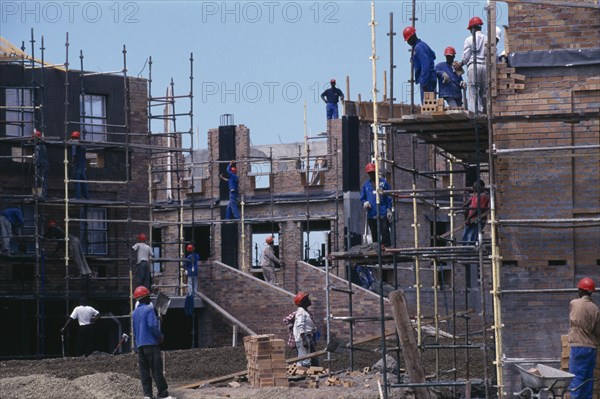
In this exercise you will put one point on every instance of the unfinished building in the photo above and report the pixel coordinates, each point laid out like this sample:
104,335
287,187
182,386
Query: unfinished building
537,147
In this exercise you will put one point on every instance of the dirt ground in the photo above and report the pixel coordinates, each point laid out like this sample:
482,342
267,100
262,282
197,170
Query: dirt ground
104,376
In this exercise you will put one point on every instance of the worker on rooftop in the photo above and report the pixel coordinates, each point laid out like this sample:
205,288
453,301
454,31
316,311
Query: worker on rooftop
475,49
385,215
422,59
331,97
232,180
449,80
584,339
79,162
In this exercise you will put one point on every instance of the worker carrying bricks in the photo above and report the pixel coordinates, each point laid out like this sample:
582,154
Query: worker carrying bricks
584,339
369,202
269,262
41,163
148,337
142,266
10,219
474,53
191,269
422,59
232,180
86,317
479,199
79,162
331,97
75,248
449,80
304,329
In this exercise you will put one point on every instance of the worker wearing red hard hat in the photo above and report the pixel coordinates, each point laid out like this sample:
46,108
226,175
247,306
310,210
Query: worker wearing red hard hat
75,247
191,269
450,82
148,337
304,328
79,164
369,202
422,60
331,96
41,162
144,254
474,52
269,262
584,339
232,179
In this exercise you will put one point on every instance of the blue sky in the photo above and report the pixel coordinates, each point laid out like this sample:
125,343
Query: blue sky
257,60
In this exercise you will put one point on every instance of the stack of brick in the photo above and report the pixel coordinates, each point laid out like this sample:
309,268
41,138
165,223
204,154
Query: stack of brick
431,104
564,365
266,361
508,81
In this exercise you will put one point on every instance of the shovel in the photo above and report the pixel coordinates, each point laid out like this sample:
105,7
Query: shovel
124,338
62,343
162,303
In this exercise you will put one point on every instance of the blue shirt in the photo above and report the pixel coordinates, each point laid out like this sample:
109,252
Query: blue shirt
13,215
423,58
332,95
233,179
78,157
191,265
452,88
367,194
145,326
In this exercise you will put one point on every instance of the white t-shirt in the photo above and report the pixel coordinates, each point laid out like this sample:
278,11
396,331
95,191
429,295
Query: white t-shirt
84,314
144,252
303,324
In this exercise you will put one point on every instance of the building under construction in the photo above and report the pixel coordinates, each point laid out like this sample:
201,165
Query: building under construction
505,298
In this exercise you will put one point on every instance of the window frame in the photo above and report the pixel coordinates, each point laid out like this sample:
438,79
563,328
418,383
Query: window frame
94,229
20,126
91,130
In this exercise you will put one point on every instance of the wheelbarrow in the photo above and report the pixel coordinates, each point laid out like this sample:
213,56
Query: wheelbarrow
541,381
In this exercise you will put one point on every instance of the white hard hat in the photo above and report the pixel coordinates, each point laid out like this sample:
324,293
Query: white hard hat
498,33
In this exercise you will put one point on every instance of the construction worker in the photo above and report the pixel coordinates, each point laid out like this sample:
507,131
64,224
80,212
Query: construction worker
232,180
584,339
10,218
369,202
331,97
422,59
79,162
268,261
191,269
450,82
479,196
144,255
148,337
475,50
75,247
41,162
86,316
304,328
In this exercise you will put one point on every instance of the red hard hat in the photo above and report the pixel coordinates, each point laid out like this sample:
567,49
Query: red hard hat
370,168
37,133
449,51
586,284
269,240
142,237
474,21
408,32
140,292
75,135
51,223
233,169
332,81
189,248
299,297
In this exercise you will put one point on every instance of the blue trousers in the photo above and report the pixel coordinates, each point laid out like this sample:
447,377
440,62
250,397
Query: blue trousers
81,188
332,110
429,87
151,366
470,235
232,211
582,362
